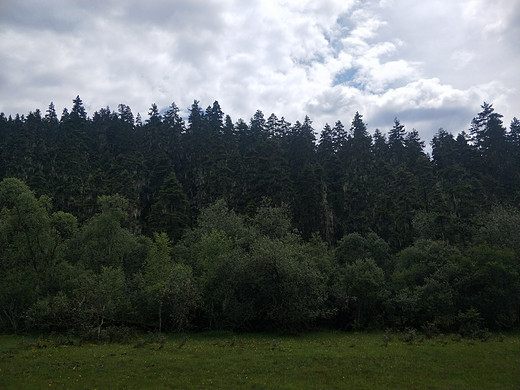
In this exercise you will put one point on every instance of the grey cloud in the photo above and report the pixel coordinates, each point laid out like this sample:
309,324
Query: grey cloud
186,16
426,120
64,17
332,104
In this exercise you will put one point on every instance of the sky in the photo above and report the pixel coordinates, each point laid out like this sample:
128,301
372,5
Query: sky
429,63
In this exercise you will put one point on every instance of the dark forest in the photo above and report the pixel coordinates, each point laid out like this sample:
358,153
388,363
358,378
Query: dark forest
113,222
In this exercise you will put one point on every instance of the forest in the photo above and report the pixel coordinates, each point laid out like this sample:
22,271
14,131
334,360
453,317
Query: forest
113,222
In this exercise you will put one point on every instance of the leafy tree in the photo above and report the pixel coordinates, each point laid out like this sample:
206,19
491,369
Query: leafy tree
103,241
31,238
53,313
358,291
220,270
102,297
18,292
290,290
424,285
169,286
416,263
489,282
273,222
31,234
354,247
254,279
499,229
350,248
219,216
157,269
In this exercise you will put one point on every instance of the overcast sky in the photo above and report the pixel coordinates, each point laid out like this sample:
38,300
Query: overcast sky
430,63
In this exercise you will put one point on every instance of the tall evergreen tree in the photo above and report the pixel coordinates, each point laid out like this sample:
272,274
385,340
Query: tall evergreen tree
358,174
196,118
154,117
50,116
396,140
339,137
489,139
332,192
78,113
478,129
215,116
514,152
514,132
170,213
360,137
125,114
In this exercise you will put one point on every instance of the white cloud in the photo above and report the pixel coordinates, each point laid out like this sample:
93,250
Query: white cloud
327,59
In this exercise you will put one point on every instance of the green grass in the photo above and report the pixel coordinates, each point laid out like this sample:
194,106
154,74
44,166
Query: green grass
261,361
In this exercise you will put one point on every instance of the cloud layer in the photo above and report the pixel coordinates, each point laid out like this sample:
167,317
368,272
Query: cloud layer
430,63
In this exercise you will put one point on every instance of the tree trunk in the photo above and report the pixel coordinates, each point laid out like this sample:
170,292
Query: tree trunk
160,316
99,327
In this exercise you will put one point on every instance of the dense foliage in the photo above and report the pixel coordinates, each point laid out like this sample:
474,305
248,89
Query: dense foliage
108,221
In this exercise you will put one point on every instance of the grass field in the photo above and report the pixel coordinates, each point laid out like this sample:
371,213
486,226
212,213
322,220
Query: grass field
326,360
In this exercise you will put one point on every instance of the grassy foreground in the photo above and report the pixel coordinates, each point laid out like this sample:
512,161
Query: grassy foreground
226,361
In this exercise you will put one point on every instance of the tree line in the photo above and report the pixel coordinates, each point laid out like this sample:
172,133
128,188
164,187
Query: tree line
109,221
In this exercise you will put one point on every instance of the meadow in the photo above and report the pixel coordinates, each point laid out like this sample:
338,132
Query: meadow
323,360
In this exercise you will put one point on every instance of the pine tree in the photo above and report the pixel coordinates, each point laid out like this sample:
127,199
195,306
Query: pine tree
514,132
125,114
215,116
339,137
358,175
196,118
170,213
138,121
490,141
396,140
332,186
50,117
478,129
154,118
78,112
360,137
